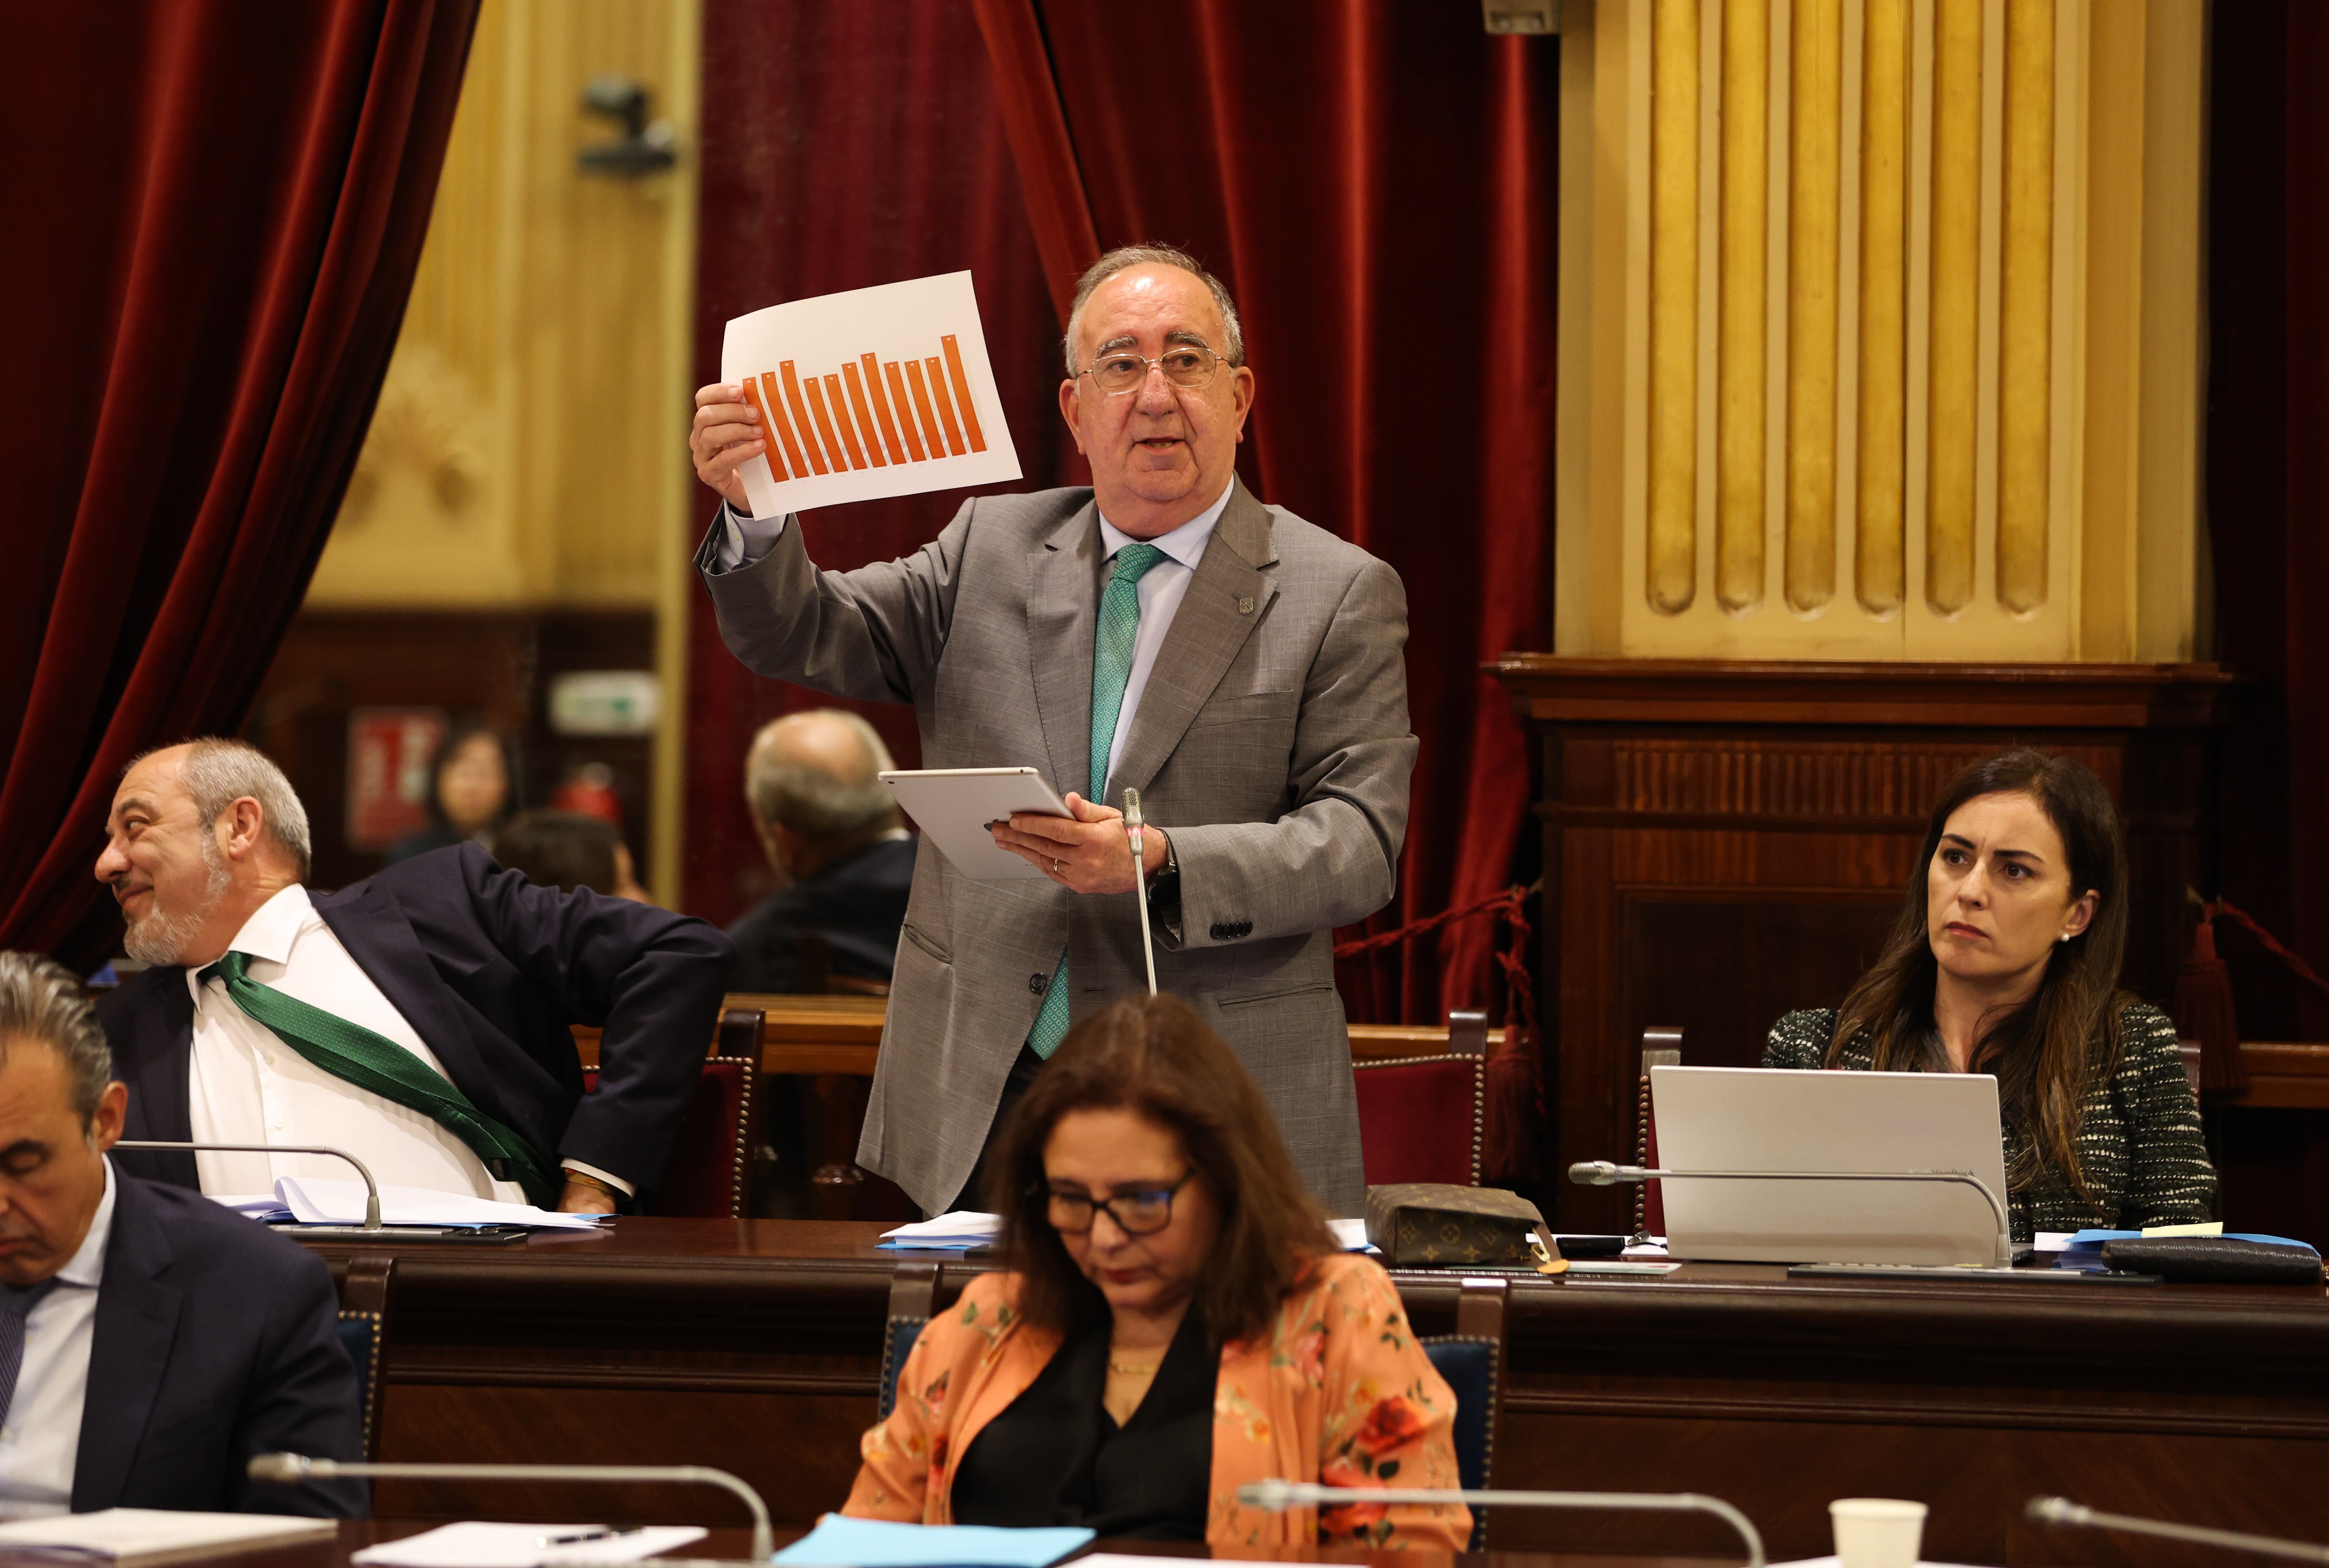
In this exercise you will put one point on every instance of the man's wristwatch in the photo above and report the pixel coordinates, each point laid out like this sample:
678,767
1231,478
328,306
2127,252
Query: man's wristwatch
1164,887
613,1191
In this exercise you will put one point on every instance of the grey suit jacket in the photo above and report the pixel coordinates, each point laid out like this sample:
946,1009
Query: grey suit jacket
1271,742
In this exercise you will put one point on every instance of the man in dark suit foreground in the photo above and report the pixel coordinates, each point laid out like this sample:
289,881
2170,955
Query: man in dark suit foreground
151,1342
831,826
420,1020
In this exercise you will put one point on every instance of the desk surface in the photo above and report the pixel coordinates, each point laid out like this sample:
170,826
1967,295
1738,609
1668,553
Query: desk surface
756,1345
734,1546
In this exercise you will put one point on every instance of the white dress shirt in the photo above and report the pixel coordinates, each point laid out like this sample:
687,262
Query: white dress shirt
246,1086
41,1434
744,539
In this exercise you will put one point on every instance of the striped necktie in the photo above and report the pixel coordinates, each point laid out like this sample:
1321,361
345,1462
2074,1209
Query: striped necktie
16,1304
374,1061
1112,643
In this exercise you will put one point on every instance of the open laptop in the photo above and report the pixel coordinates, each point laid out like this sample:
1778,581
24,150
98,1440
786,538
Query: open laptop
1747,1118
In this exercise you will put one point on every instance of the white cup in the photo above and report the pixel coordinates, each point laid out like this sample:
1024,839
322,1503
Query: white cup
1877,1532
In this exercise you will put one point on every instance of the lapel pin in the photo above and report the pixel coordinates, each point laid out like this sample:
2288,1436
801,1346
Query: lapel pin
1245,605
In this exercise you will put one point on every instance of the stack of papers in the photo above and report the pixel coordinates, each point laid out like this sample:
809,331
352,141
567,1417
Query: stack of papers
844,1542
947,1234
312,1201
131,1537
471,1545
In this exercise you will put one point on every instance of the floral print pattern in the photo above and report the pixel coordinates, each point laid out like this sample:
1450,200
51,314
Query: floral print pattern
1339,1393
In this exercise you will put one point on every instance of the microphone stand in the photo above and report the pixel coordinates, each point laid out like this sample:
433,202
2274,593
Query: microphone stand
292,1468
1277,1497
1602,1173
371,1187
1140,884
2063,1511
372,1230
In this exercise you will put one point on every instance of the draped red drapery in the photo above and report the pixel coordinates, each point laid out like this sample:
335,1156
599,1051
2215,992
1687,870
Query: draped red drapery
216,212
847,146
1374,183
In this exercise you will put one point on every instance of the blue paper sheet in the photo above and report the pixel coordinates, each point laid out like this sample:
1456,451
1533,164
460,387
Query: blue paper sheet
844,1542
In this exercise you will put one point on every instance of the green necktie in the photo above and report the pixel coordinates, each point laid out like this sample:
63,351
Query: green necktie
376,1063
1112,643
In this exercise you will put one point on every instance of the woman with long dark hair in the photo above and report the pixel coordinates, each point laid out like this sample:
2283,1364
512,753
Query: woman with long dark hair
1175,1321
2005,960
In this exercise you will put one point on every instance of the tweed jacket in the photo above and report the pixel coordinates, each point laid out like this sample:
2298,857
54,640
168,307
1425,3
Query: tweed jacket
1340,1393
1272,743
2139,1144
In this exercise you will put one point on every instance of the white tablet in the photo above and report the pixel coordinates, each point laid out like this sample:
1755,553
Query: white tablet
953,806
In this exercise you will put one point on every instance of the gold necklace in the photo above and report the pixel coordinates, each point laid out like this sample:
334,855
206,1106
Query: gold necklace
1132,1371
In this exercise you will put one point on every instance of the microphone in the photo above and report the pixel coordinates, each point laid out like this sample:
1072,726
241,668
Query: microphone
2064,1512
371,1187
1276,1496
1602,1173
1133,826
292,1468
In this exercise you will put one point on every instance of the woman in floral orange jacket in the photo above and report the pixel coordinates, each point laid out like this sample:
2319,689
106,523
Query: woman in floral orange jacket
1177,1322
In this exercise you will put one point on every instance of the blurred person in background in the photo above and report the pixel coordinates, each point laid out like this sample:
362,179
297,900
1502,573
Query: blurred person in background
833,830
472,787
567,850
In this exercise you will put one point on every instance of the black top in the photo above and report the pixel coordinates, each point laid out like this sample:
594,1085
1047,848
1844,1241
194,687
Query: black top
855,904
2139,1143
1056,1457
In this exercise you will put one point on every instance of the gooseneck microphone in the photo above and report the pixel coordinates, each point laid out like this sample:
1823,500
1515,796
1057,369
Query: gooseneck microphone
1133,829
1277,1497
2064,1512
292,1468
1602,1173
371,1187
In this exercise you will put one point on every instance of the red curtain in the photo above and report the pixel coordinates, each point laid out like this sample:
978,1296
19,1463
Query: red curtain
215,211
2268,491
1374,183
847,146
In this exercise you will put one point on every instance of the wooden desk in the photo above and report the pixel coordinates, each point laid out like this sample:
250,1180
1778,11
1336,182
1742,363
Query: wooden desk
732,1546
817,1035
756,1345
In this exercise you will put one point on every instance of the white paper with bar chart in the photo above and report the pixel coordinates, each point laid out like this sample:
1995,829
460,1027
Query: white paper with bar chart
877,391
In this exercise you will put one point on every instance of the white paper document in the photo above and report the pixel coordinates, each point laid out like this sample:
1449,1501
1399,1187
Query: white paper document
474,1544
129,1536
962,1228
316,1202
875,392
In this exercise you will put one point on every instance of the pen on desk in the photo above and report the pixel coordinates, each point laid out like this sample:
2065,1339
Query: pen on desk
589,1533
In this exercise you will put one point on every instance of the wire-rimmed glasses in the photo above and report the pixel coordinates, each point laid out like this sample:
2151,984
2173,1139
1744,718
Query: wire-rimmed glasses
1186,365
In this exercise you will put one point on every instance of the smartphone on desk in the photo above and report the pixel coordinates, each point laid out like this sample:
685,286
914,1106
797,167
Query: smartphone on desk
1592,1246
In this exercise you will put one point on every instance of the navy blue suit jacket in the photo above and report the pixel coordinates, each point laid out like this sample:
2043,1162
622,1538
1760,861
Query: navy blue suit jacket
490,970
857,905
216,1339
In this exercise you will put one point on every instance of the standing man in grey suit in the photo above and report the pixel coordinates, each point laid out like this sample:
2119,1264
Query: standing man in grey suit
1163,630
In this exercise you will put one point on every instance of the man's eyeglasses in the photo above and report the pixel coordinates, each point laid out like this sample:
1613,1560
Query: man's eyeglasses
1137,1211
1185,365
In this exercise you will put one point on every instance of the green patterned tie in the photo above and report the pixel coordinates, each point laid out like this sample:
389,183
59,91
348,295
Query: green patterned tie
1112,643
374,1061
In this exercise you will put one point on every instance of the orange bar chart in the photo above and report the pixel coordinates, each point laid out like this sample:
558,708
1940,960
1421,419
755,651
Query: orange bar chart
855,417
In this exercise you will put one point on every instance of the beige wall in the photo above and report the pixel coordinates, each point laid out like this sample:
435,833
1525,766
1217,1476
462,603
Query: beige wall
527,451
1880,329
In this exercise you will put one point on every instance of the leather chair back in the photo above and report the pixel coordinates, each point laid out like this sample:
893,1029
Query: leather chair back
1421,1118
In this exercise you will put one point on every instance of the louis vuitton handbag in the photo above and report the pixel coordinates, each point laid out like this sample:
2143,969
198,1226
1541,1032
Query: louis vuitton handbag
1434,1224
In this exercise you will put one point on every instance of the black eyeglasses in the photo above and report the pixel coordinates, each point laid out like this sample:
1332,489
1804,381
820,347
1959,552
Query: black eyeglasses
1137,1211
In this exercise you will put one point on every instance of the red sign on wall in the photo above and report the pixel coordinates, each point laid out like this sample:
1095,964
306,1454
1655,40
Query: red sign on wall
389,750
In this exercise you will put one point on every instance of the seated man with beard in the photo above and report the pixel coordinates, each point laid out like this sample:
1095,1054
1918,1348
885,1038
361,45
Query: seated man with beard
420,1020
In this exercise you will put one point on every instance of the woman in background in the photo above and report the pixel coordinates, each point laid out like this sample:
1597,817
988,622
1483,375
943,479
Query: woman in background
2005,960
472,785
1176,1321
